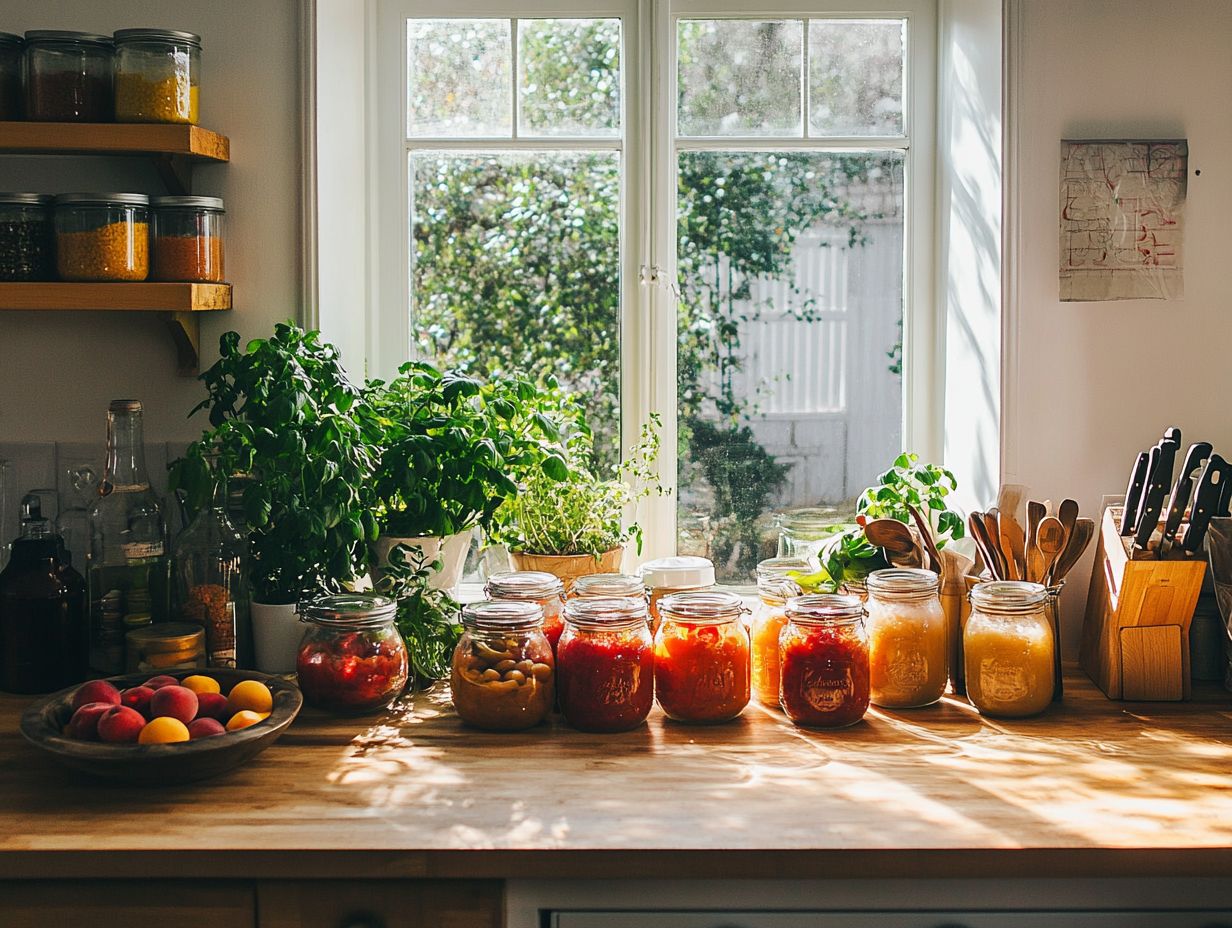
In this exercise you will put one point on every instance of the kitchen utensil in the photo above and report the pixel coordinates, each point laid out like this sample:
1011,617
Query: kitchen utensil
990,552
926,536
1172,434
1206,501
1013,543
1153,497
890,534
1009,500
1198,452
992,527
1067,512
1051,543
1152,462
1036,512
1133,493
1084,531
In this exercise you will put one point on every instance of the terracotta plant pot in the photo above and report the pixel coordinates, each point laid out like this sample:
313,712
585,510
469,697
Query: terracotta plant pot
568,567
451,551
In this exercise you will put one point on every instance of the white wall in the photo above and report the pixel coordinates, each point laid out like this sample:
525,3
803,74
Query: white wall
58,371
1087,385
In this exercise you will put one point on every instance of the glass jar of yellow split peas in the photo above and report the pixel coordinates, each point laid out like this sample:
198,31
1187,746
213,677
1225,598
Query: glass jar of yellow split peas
157,76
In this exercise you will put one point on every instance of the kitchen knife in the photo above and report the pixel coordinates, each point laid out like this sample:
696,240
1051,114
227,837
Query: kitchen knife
1173,435
1207,498
1153,496
1152,461
1133,493
1225,500
1198,452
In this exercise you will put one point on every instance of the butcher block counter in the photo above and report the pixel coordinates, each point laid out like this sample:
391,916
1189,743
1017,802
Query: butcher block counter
1091,789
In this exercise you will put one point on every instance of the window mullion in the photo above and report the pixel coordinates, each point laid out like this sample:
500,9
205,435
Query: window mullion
513,76
805,101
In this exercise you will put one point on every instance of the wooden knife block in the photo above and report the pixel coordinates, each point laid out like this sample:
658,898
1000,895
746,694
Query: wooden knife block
1135,638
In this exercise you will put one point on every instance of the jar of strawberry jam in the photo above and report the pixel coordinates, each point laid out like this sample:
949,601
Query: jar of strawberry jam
605,664
532,586
352,659
702,657
774,587
824,648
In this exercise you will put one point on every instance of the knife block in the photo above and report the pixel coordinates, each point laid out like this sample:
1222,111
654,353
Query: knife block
1135,638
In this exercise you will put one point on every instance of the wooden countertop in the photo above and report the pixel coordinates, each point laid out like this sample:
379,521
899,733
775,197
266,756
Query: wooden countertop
1091,788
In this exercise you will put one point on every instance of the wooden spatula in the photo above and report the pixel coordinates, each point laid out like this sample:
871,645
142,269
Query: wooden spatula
1084,531
1051,543
1036,511
1013,543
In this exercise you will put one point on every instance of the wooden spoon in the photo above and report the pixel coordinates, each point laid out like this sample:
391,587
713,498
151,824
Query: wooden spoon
890,534
1084,531
975,524
1036,512
1052,537
992,527
1013,543
1068,514
926,535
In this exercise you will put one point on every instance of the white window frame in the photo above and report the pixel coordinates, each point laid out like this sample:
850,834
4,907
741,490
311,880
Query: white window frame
649,147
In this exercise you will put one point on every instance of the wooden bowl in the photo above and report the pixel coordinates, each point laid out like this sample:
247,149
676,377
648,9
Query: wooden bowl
43,722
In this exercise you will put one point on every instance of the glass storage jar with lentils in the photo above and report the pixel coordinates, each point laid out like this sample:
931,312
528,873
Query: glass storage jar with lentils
68,76
103,236
157,75
11,47
187,242
27,242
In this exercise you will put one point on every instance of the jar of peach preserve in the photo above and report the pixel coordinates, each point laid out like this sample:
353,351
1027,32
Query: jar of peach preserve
824,648
774,588
702,657
907,638
1008,649
605,664
532,586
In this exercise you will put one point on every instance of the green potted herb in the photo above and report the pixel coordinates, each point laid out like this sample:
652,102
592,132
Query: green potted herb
283,413
427,616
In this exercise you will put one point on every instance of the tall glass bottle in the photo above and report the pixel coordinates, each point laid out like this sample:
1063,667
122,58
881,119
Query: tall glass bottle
129,575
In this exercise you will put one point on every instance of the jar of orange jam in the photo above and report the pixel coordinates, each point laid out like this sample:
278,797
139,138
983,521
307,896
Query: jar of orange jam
532,586
702,657
669,575
908,664
774,588
825,661
1008,649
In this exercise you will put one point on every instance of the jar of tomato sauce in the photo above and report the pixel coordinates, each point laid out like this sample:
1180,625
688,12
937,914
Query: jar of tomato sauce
670,575
532,586
1008,649
352,659
908,654
702,657
503,675
606,586
774,588
605,664
824,647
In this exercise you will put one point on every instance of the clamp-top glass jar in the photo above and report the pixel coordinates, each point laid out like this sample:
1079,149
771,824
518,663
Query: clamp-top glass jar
1008,649
606,586
27,239
157,75
532,586
824,650
103,236
669,575
908,663
605,664
503,675
10,76
68,76
352,658
187,239
702,657
774,588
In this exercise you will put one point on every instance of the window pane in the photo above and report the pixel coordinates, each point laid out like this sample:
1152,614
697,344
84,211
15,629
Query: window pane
458,78
569,77
790,392
739,77
856,77
516,265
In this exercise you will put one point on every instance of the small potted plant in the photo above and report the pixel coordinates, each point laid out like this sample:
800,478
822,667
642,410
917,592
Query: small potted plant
283,413
450,448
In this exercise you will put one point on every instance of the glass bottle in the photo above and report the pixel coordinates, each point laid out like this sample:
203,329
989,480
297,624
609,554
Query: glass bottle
824,648
702,657
73,523
774,588
1008,649
209,560
503,675
129,574
605,664
43,631
907,638
353,659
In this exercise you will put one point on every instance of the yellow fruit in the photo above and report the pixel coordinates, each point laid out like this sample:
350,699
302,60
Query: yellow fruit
244,718
250,694
163,730
201,684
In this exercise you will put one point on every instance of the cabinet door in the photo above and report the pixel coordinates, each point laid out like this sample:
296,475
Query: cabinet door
126,904
380,904
1124,919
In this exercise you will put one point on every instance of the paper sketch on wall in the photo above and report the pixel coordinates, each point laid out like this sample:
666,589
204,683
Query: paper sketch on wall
1123,219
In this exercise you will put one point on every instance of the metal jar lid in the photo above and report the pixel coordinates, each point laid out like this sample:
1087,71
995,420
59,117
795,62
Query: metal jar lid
7,38
26,199
167,637
1009,597
704,607
502,616
65,35
825,609
102,199
157,35
348,610
610,613
527,585
603,586
210,203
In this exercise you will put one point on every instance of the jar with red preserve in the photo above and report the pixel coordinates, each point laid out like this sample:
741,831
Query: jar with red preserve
352,659
775,585
702,657
605,664
532,586
503,675
824,648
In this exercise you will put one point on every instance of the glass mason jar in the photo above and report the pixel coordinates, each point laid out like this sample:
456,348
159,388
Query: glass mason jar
103,236
157,73
156,649
503,674
855,587
803,532
68,76
825,661
11,48
605,664
1008,649
27,237
774,588
606,586
352,658
702,657
187,239
669,575
532,586
907,638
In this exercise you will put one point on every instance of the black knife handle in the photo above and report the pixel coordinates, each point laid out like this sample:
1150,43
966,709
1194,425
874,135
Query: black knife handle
1153,498
1133,492
1198,452
1207,499
1173,434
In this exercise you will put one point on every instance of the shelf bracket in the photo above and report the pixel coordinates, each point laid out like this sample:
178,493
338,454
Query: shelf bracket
186,333
176,174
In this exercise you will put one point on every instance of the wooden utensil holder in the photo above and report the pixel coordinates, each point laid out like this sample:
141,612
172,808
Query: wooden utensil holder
1135,637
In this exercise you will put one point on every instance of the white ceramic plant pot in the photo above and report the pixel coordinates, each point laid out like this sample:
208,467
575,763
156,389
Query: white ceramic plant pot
276,634
450,551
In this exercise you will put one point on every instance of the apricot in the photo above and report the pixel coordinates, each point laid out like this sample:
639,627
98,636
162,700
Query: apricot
120,724
250,694
201,684
212,706
84,723
163,730
244,718
137,697
205,728
95,691
157,683
177,702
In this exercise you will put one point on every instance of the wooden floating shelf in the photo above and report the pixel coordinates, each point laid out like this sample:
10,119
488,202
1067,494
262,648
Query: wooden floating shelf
113,138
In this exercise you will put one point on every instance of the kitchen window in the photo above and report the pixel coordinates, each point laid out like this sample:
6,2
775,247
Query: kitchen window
716,213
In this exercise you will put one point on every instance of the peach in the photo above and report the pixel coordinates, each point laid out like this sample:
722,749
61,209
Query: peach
176,702
212,706
84,724
95,691
163,730
205,728
245,718
157,683
137,697
120,724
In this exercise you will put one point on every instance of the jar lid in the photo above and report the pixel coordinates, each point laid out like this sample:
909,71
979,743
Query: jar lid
26,199
124,406
605,585
823,608
348,610
157,35
166,637
704,607
102,199
678,572
523,584
7,38
1008,596
903,581
816,518
214,203
606,612
65,35
502,615
774,575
